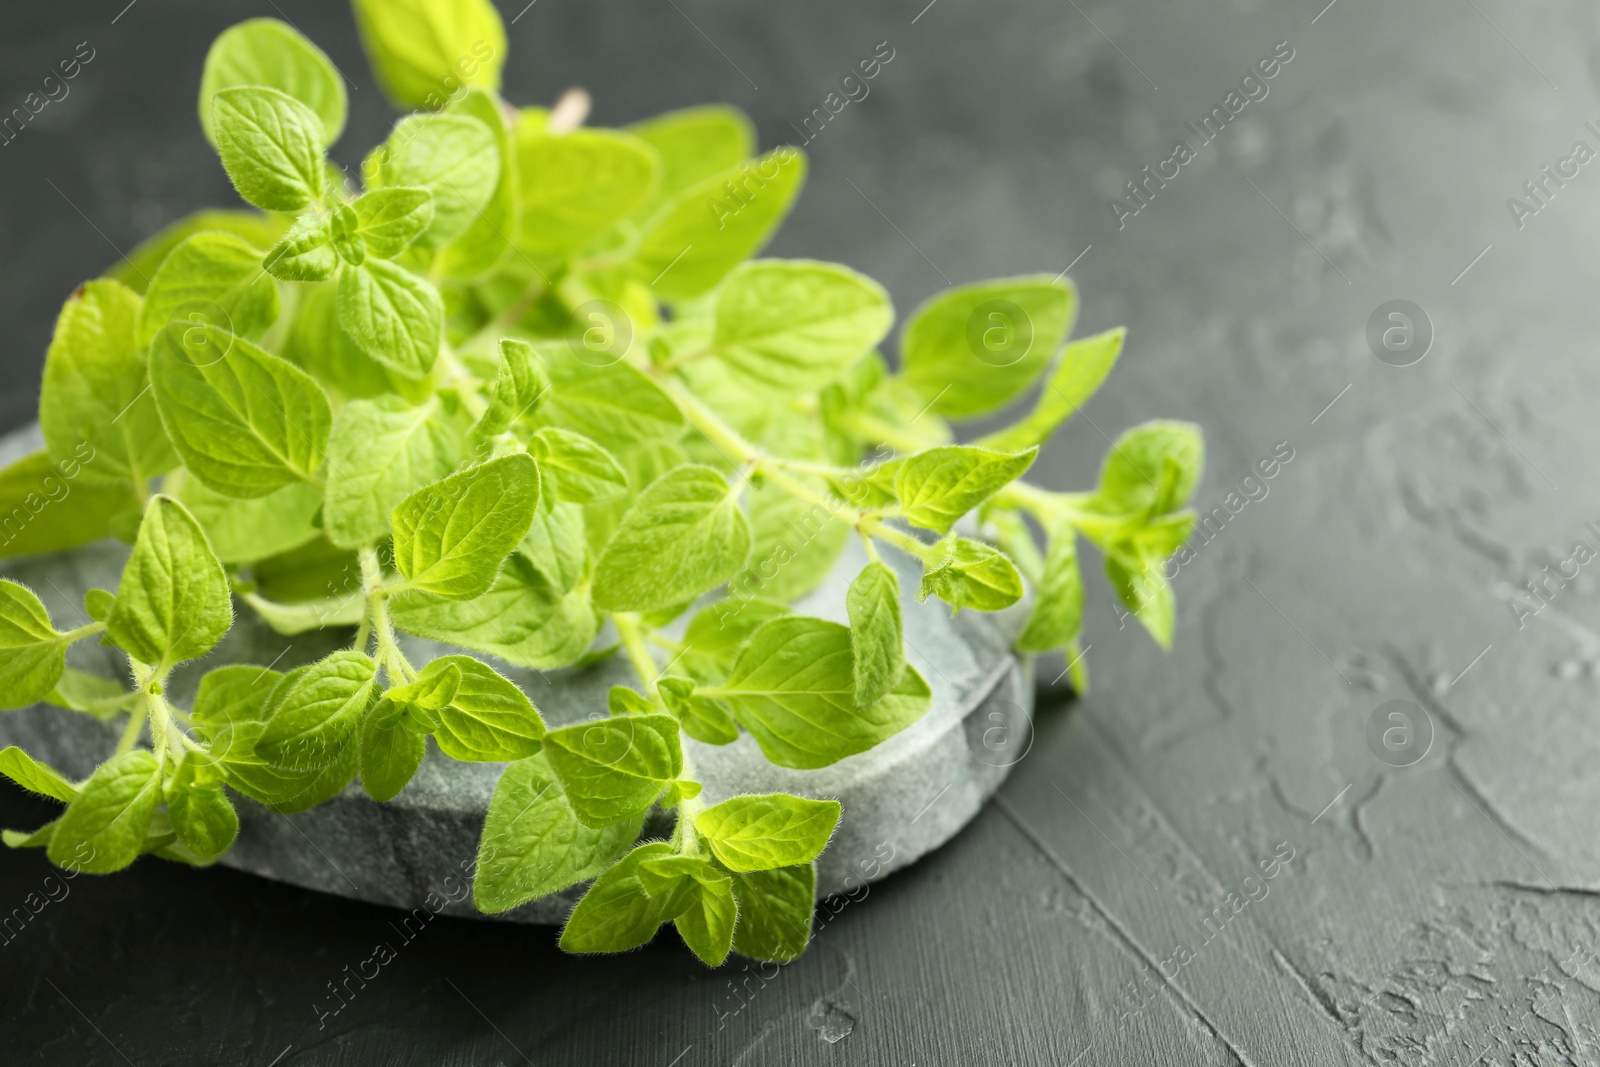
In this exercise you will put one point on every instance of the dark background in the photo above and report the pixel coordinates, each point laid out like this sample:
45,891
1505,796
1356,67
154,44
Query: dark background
1441,912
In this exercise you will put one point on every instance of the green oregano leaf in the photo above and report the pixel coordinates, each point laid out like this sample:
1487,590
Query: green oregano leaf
172,604
202,815
613,769
487,719
104,827
245,422
32,652
394,316
533,844
972,348
305,253
520,383
391,750
451,537
579,470
423,50
762,833
453,157
971,574
389,220
938,486
214,278
1058,610
271,146
775,909
618,913
271,53
793,688
93,406
314,711
684,535
380,452
792,326
34,776
877,640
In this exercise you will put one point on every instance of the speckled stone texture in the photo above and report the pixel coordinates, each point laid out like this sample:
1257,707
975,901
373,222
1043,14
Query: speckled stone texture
917,789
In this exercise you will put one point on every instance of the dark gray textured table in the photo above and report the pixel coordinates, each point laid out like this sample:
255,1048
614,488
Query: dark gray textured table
1441,903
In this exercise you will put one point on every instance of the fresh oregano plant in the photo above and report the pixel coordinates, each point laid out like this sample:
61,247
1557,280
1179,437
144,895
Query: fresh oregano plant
519,388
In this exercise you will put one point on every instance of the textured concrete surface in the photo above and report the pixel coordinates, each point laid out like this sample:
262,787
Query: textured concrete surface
1441,913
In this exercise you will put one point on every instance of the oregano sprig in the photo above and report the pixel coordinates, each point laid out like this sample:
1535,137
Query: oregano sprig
519,388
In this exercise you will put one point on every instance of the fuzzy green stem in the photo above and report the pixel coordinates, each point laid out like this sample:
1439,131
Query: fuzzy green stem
633,634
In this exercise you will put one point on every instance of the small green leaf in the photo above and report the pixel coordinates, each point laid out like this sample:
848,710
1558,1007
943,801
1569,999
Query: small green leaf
480,247
1131,479
796,543
434,687
201,814
455,158
620,700
523,619
315,711
533,844
792,326
110,816
214,278
92,406
695,143
140,265
616,403
391,751
243,531
618,913
793,688
32,653
684,535
577,185
45,507
702,719
391,219
714,636
268,52
613,769
712,226
394,316
938,486
520,383
877,641
423,50
971,349
81,691
380,452
763,833
39,838
1058,610
488,719
579,470
34,776
1143,586
451,537
271,146
775,910
555,546
172,604
305,253
971,574
707,923
230,712
245,422
1084,365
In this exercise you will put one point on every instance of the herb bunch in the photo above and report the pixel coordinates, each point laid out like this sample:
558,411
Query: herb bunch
519,388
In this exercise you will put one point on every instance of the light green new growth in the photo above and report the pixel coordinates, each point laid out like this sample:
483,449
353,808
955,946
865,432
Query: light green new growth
521,390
